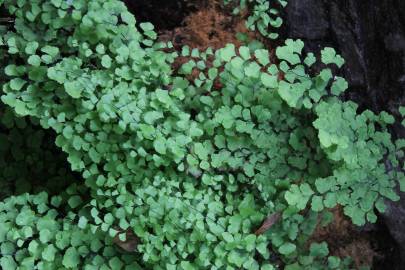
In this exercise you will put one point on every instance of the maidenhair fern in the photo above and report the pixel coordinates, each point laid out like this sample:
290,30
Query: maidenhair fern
190,171
264,15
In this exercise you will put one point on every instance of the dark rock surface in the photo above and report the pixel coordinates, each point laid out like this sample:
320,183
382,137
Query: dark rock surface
394,219
371,37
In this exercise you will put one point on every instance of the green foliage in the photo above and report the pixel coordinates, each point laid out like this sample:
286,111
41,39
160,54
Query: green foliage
358,143
33,235
264,15
191,171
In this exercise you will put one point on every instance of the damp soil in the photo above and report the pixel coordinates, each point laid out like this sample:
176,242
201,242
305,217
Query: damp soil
371,245
196,23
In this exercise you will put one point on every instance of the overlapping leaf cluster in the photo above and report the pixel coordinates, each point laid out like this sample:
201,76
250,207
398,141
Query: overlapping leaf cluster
36,234
264,15
191,171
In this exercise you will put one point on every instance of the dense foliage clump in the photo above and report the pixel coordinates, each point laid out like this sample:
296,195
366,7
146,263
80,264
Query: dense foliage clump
178,173
264,16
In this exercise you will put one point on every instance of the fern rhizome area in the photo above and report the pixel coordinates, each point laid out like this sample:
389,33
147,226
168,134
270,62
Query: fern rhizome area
228,162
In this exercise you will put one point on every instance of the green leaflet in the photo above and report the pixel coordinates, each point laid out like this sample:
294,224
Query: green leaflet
264,16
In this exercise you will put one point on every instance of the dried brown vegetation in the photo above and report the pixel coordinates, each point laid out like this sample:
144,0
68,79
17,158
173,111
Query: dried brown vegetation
345,240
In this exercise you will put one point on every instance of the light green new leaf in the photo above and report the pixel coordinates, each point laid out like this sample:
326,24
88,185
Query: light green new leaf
329,56
287,248
74,89
262,56
49,253
339,86
71,258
